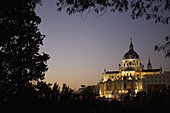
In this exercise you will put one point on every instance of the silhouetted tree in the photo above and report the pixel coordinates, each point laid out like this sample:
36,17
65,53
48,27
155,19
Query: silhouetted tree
21,64
55,92
43,90
88,92
55,97
66,92
158,10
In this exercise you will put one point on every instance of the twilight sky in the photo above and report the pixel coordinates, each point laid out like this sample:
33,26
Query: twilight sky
80,48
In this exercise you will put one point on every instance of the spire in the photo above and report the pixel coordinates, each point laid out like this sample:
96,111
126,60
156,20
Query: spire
149,66
149,61
131,45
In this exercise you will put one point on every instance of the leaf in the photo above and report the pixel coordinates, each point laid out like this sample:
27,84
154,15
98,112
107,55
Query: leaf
57,3
166,38
156,47
155,9
167,54
167,20
148,6
59,9
96,10
120,9
148,16
68,10
112,10
101,9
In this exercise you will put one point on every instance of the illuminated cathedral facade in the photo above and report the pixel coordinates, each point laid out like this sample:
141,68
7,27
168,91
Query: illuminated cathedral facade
116,84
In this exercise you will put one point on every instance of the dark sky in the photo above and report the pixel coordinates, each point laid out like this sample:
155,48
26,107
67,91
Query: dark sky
80,47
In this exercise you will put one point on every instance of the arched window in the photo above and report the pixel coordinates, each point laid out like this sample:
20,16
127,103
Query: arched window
107,87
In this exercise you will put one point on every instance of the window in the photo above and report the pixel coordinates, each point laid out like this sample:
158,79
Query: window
125,86
152,86
130,63
107,88
151,81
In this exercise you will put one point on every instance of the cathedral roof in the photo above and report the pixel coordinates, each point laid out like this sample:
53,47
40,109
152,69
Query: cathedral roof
131,54
112,72
151,70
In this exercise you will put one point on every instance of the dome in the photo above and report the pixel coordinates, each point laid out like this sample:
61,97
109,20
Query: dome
131,54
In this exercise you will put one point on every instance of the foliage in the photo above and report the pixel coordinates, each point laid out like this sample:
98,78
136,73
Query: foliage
68,101
21,64
152,9
88,93
55,92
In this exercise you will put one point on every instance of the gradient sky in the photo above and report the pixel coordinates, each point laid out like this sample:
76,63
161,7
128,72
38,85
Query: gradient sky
80,48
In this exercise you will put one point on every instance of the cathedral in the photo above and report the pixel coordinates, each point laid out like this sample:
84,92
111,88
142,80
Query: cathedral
116,84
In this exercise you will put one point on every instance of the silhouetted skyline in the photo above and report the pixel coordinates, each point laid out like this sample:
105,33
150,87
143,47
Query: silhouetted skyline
80,48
